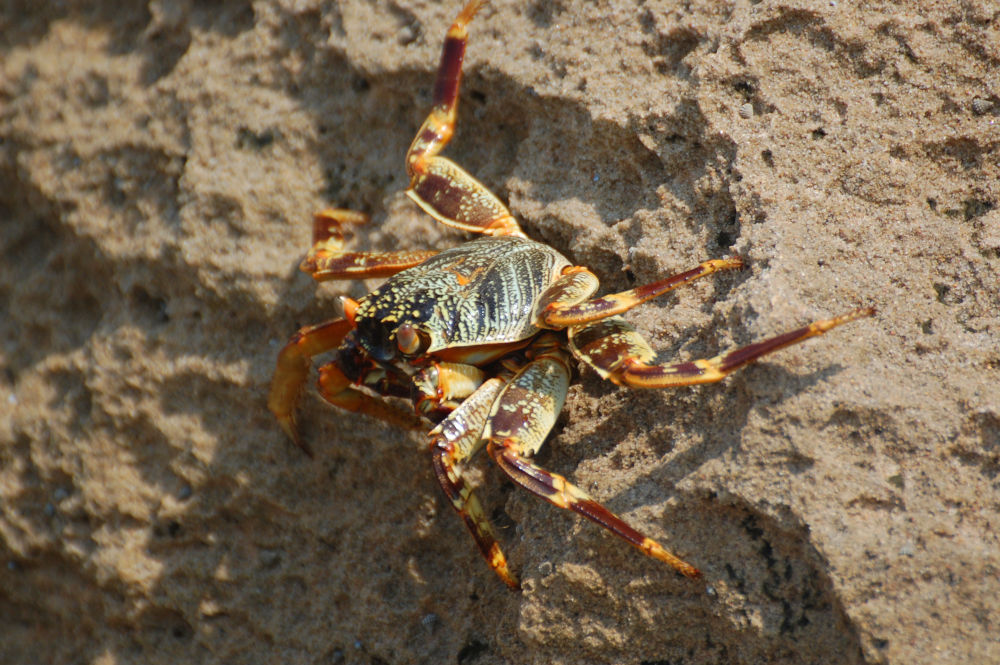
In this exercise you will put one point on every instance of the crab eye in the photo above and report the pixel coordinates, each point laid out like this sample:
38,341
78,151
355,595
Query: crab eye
411,340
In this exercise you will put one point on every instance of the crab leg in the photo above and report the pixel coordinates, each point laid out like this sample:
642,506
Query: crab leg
337,389
293,369
440,384
565,303
453,442
520,420
440,187
327,258
617,351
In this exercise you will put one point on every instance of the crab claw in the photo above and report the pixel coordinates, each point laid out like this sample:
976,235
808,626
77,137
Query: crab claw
293,369
288,424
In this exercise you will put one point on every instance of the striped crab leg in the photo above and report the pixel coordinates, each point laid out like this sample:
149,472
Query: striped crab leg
520,420
566,303
294,363
443,189
453,441
328,259
292,370
619,353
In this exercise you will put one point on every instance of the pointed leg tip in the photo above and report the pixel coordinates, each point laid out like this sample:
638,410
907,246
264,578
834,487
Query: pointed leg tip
498,562
682,567
306,449
340,216
855,314
329,224
735,262
471,8
288,425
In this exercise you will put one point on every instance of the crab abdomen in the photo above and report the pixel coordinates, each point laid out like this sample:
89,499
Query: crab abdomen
482,292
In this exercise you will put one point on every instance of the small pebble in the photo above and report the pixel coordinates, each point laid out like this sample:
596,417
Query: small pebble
907,550
430,622
185,493
545,568
746,111
981,106
269,558
407,35
50,510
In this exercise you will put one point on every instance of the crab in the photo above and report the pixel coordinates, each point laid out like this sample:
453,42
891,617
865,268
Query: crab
481,338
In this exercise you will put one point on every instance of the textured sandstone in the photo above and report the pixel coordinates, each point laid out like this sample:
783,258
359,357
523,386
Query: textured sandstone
158,168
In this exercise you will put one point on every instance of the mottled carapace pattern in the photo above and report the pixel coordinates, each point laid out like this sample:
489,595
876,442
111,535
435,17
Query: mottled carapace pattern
482,292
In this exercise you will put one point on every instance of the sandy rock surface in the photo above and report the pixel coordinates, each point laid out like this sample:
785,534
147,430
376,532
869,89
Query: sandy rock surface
159,165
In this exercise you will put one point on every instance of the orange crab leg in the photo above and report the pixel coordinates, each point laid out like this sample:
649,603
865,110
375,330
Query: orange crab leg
453,442
327,259
293,369
619,353
440,187
519,421
565,303
444,385
439,126
560,492
337,389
